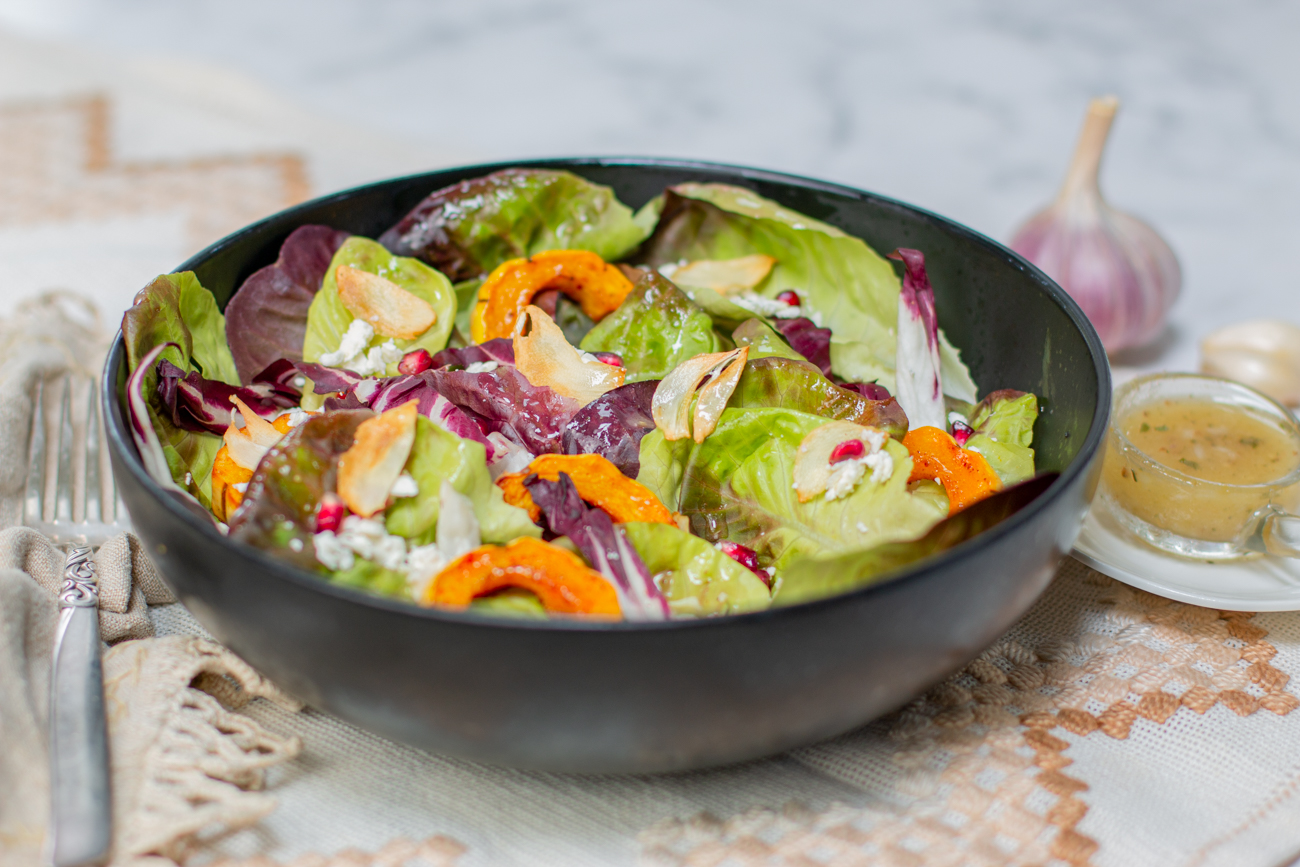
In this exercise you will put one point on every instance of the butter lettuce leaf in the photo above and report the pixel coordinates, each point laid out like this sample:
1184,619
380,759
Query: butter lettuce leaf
439,454
653,330
1004,431
782,382
467,229
663,464
764,341
820,576
697,578
738,485
328,319
844,284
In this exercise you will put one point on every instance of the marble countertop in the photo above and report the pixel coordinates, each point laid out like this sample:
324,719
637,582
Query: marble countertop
967,108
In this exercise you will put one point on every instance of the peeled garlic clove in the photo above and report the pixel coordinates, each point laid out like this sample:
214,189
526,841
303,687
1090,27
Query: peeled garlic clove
1261,353
1119,270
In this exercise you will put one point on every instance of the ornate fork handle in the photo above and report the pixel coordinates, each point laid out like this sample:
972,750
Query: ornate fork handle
80,817
80,585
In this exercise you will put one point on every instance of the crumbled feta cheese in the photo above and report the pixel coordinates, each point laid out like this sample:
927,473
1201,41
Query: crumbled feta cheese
845,477
755,303
189,480
295,544
405,486
422,565
354,343
300,381
863,528
297,416
954,417
481,366
882,466
331,552
669,268
242,487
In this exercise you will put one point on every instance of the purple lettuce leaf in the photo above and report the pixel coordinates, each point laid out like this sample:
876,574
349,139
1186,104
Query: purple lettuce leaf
808,340
529,415
198,404
266,319
329,380
604,545
498,349
613,424
917,382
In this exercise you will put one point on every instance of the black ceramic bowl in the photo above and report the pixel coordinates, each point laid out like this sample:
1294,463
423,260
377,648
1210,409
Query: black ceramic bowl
574,696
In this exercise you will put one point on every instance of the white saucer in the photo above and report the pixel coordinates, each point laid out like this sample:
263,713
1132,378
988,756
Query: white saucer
1260,584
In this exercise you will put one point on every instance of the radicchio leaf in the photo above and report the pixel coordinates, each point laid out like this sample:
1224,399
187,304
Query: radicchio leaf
498,349
613,424
432,405
605,545
199,404
532,416
808,340
266,318
916,367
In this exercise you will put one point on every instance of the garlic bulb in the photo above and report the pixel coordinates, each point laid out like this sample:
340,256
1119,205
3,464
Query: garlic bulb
1124,276
1261,353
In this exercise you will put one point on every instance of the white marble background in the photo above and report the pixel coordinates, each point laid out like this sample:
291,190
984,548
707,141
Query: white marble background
965,107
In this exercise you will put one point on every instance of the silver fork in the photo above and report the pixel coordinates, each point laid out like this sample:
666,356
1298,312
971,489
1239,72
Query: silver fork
72,499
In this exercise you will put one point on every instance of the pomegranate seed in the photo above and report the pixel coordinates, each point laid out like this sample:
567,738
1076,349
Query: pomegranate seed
746,557
848,450
962,432
789,296
416,361
609,358
329,516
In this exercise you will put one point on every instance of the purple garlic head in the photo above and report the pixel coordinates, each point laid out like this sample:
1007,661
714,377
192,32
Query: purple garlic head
1119,270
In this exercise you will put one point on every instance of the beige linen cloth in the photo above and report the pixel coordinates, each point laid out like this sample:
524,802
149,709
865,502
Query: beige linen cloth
1108,727
182,763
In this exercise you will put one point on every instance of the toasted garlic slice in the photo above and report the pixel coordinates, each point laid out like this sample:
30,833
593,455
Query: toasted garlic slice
379,451
812,460
715,394
390,309
725,276
248,444
545,357
1262,353
671,404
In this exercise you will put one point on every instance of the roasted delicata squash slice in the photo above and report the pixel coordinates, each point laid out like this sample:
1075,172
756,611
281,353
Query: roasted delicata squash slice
598,287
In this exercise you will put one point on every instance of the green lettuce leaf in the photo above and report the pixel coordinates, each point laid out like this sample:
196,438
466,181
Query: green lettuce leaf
370,576
175,308
328,319
1004,431
738,485
845,284
439,454
469,228
511,602
820,576
701,580
663,464
654,329
781,382
764,341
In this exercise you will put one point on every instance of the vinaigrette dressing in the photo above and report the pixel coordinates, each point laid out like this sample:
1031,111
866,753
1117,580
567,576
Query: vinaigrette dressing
1212,441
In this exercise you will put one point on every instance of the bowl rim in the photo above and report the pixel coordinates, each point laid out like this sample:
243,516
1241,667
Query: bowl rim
117,431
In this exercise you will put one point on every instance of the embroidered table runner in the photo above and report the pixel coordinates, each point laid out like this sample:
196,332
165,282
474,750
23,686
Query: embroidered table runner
1108,727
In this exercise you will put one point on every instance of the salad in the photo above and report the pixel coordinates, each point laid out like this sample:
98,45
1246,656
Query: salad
527,399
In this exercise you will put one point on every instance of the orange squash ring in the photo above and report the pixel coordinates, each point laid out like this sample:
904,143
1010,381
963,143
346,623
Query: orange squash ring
598,481
964,474
598,287
563,583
